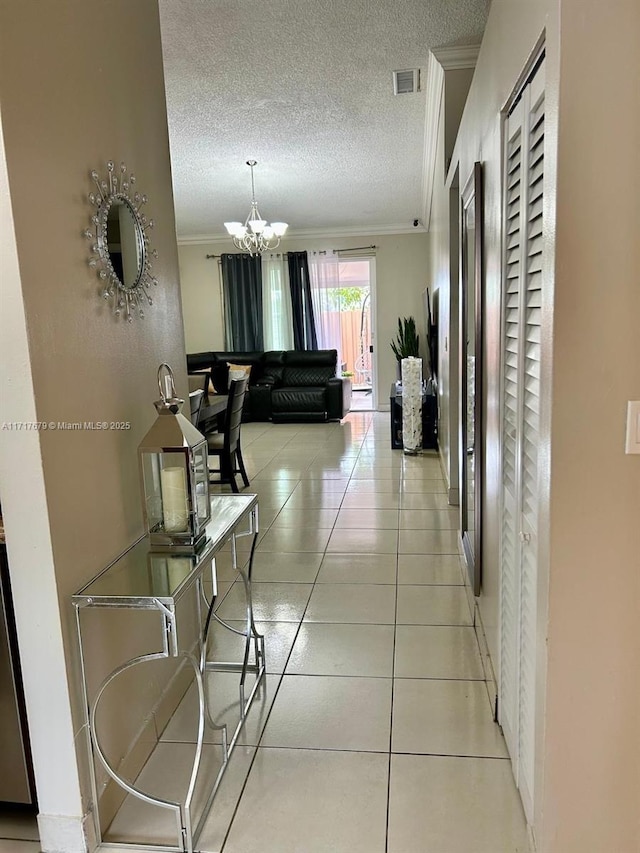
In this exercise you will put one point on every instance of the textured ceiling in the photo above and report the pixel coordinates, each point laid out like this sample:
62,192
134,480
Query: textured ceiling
305,88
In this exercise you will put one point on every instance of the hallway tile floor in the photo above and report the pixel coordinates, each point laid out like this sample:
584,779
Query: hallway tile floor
373,730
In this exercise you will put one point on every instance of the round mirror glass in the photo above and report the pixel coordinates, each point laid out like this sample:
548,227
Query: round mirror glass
124,242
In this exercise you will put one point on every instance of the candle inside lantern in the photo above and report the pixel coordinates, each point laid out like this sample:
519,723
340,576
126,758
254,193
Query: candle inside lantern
175,512
168,382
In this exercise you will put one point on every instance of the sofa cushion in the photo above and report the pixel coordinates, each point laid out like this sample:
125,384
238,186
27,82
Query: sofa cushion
239,371
201,379
199,361
307,376
273,366
312,358
220,367
220,377
300,399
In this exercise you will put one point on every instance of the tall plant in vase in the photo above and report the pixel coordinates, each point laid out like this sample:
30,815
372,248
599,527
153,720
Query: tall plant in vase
407,342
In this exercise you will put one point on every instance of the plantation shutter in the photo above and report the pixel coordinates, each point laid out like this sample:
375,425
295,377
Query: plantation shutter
520,429
510,420
530,440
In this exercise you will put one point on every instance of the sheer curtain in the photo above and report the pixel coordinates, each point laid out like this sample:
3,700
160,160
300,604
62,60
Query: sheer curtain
324,274
277,317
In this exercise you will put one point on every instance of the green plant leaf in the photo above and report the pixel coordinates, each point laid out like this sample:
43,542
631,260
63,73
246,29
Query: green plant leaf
407,342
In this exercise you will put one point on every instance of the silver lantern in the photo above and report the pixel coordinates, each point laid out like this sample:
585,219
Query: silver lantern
174,477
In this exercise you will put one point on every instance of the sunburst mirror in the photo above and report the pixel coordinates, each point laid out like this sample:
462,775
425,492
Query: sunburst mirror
121,254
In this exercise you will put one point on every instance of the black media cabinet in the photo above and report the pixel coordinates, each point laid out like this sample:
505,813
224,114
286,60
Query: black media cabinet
429,418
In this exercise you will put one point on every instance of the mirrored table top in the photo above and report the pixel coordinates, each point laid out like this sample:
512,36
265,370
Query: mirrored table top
142,577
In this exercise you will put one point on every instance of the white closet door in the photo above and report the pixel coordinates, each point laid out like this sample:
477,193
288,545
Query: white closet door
509,593
530,439
520,430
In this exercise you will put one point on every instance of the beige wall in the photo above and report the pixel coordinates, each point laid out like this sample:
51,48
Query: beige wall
201,287
592,751
401,276
81,83
588,702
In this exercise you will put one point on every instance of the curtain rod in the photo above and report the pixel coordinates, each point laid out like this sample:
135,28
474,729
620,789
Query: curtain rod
321,252
272,254
353,249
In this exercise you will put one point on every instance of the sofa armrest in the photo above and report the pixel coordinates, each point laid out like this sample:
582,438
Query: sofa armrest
338,396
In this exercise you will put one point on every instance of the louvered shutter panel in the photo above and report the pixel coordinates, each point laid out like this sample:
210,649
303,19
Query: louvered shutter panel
511,339
532,285
521,429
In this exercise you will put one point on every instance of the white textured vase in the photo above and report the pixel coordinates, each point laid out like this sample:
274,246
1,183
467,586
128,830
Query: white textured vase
412,404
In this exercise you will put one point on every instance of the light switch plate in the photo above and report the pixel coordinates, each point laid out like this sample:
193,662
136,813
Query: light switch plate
633,427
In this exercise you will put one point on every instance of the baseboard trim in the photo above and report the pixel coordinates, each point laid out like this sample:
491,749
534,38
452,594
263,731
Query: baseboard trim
487,664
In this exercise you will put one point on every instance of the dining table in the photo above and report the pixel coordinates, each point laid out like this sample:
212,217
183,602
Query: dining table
212,406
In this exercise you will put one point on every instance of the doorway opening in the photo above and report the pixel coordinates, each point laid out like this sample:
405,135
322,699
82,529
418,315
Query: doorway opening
343,302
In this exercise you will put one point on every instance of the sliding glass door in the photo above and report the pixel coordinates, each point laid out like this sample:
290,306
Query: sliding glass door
342,296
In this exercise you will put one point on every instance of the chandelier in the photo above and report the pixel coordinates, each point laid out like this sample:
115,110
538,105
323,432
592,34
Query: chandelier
256,235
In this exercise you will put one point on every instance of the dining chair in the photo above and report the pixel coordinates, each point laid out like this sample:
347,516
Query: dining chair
195,403
225,445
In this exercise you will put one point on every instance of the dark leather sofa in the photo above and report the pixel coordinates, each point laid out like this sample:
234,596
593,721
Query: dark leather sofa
291,385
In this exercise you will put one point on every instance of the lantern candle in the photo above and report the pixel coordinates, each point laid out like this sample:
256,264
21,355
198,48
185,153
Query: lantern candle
175,512
168,386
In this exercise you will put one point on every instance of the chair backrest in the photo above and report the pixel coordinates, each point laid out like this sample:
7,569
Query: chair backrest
233,419
195,403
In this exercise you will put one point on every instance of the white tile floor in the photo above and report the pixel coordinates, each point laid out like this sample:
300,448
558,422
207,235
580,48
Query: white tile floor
18,830
373,731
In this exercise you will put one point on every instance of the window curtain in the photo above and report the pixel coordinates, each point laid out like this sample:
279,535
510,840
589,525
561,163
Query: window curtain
324,274
242,286
276,301
304,327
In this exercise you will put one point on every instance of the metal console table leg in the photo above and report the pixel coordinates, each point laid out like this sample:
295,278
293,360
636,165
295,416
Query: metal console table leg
252,637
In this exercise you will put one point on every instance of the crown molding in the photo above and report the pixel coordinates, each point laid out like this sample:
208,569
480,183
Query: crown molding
435,92
308,234
456,58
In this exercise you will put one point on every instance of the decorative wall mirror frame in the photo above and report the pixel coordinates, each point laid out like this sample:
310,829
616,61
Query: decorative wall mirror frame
471,340
120,248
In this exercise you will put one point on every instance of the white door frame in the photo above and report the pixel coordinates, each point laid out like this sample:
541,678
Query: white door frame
373,315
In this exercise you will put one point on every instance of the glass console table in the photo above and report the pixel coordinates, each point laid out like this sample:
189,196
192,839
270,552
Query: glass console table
146,580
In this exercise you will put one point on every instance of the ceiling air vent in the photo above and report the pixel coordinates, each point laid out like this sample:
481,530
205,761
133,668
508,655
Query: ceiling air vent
406,82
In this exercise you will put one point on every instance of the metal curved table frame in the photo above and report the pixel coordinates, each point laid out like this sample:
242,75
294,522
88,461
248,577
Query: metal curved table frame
144,580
